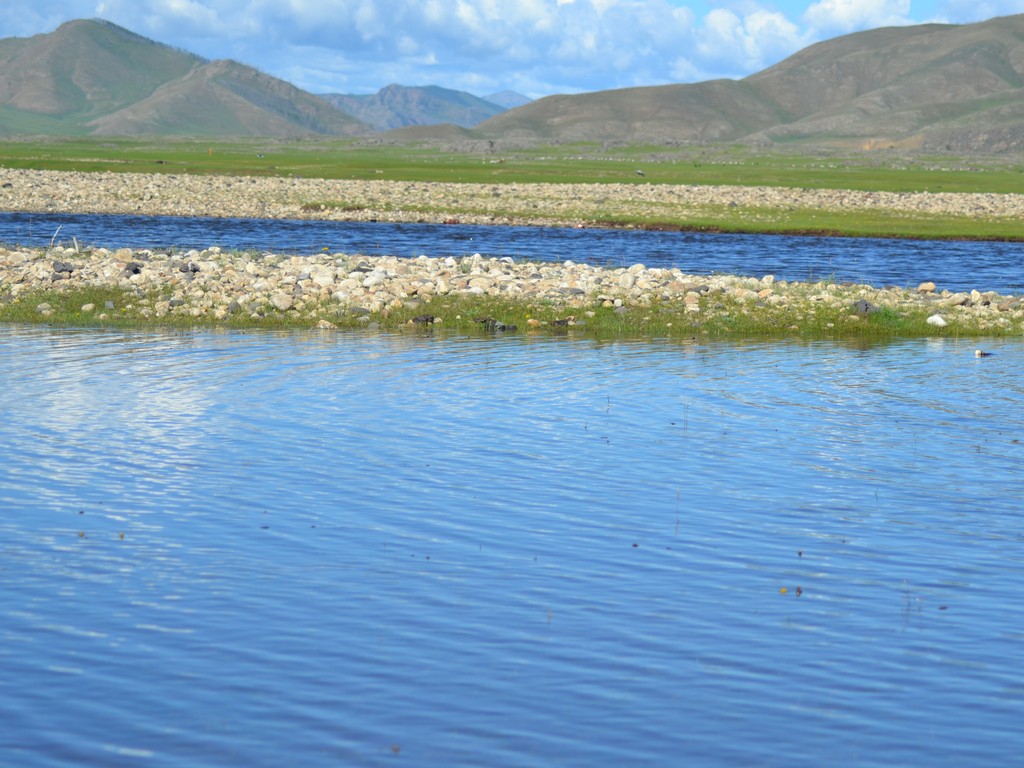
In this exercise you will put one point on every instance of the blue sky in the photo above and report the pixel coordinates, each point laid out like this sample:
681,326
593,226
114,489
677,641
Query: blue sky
535,47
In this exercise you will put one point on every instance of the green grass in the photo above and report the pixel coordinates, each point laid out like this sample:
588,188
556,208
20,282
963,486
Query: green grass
719,318
857,223
575,163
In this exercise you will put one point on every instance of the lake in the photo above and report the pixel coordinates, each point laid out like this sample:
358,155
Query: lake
309,549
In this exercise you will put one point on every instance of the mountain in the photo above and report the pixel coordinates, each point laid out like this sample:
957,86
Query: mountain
933,86
225,98
936,87
397,106
93,77
716,110
508,99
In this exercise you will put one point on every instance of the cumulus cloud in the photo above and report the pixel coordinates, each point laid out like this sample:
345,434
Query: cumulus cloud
550,44
736,45
962,11
840,16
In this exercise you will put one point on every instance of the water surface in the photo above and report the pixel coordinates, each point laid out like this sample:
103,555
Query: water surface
958,266
350,549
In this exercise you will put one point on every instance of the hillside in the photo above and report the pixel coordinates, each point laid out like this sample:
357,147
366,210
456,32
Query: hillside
930,86
224,98
85,69
93,77
397,106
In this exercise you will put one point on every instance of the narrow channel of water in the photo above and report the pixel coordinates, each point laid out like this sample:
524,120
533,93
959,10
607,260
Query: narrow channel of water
958,266
320,550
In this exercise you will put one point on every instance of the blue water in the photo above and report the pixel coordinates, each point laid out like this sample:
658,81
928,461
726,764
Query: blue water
958,266
348,549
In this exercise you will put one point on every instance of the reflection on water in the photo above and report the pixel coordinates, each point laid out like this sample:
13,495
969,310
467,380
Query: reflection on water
230,549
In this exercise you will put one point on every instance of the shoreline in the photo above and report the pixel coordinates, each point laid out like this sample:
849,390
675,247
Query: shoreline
351,290
338,290
568,205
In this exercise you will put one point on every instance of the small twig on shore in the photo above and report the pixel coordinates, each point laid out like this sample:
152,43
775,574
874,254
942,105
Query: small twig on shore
55,235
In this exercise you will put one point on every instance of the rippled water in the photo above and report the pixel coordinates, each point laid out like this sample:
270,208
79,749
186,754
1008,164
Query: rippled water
958,266
359,550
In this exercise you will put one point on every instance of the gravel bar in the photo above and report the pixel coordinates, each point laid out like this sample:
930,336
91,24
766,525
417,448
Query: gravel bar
400,201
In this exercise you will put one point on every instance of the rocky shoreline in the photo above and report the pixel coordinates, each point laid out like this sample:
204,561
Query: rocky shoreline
324,287
398,201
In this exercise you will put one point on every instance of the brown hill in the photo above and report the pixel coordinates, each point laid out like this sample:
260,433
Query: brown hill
938,86
93,77
52,83
715,110
224,98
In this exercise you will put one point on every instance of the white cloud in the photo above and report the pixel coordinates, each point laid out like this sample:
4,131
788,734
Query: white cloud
964,11
840,16
736,45
534,46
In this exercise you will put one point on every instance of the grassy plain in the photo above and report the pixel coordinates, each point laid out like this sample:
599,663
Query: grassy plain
479,162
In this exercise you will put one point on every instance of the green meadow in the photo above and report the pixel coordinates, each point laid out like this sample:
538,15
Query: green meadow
478,162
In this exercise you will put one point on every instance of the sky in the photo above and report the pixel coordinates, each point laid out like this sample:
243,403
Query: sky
533,47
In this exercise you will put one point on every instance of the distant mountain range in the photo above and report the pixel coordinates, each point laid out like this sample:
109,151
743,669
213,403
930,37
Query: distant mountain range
398,106
956,88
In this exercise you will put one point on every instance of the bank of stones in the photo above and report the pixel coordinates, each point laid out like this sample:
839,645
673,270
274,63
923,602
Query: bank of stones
400,201
216,284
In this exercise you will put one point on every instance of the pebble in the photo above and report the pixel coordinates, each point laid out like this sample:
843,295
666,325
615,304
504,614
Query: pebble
322,283
218,283
400,201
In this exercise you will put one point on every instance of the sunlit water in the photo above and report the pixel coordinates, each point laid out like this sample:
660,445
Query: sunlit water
958,266
221,549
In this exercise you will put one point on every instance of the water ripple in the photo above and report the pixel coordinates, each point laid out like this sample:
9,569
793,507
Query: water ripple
222,548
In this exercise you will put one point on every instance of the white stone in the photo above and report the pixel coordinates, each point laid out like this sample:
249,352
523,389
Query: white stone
937,320
323,276
282,301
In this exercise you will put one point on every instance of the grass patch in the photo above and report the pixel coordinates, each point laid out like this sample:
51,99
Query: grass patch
813,221
719,317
